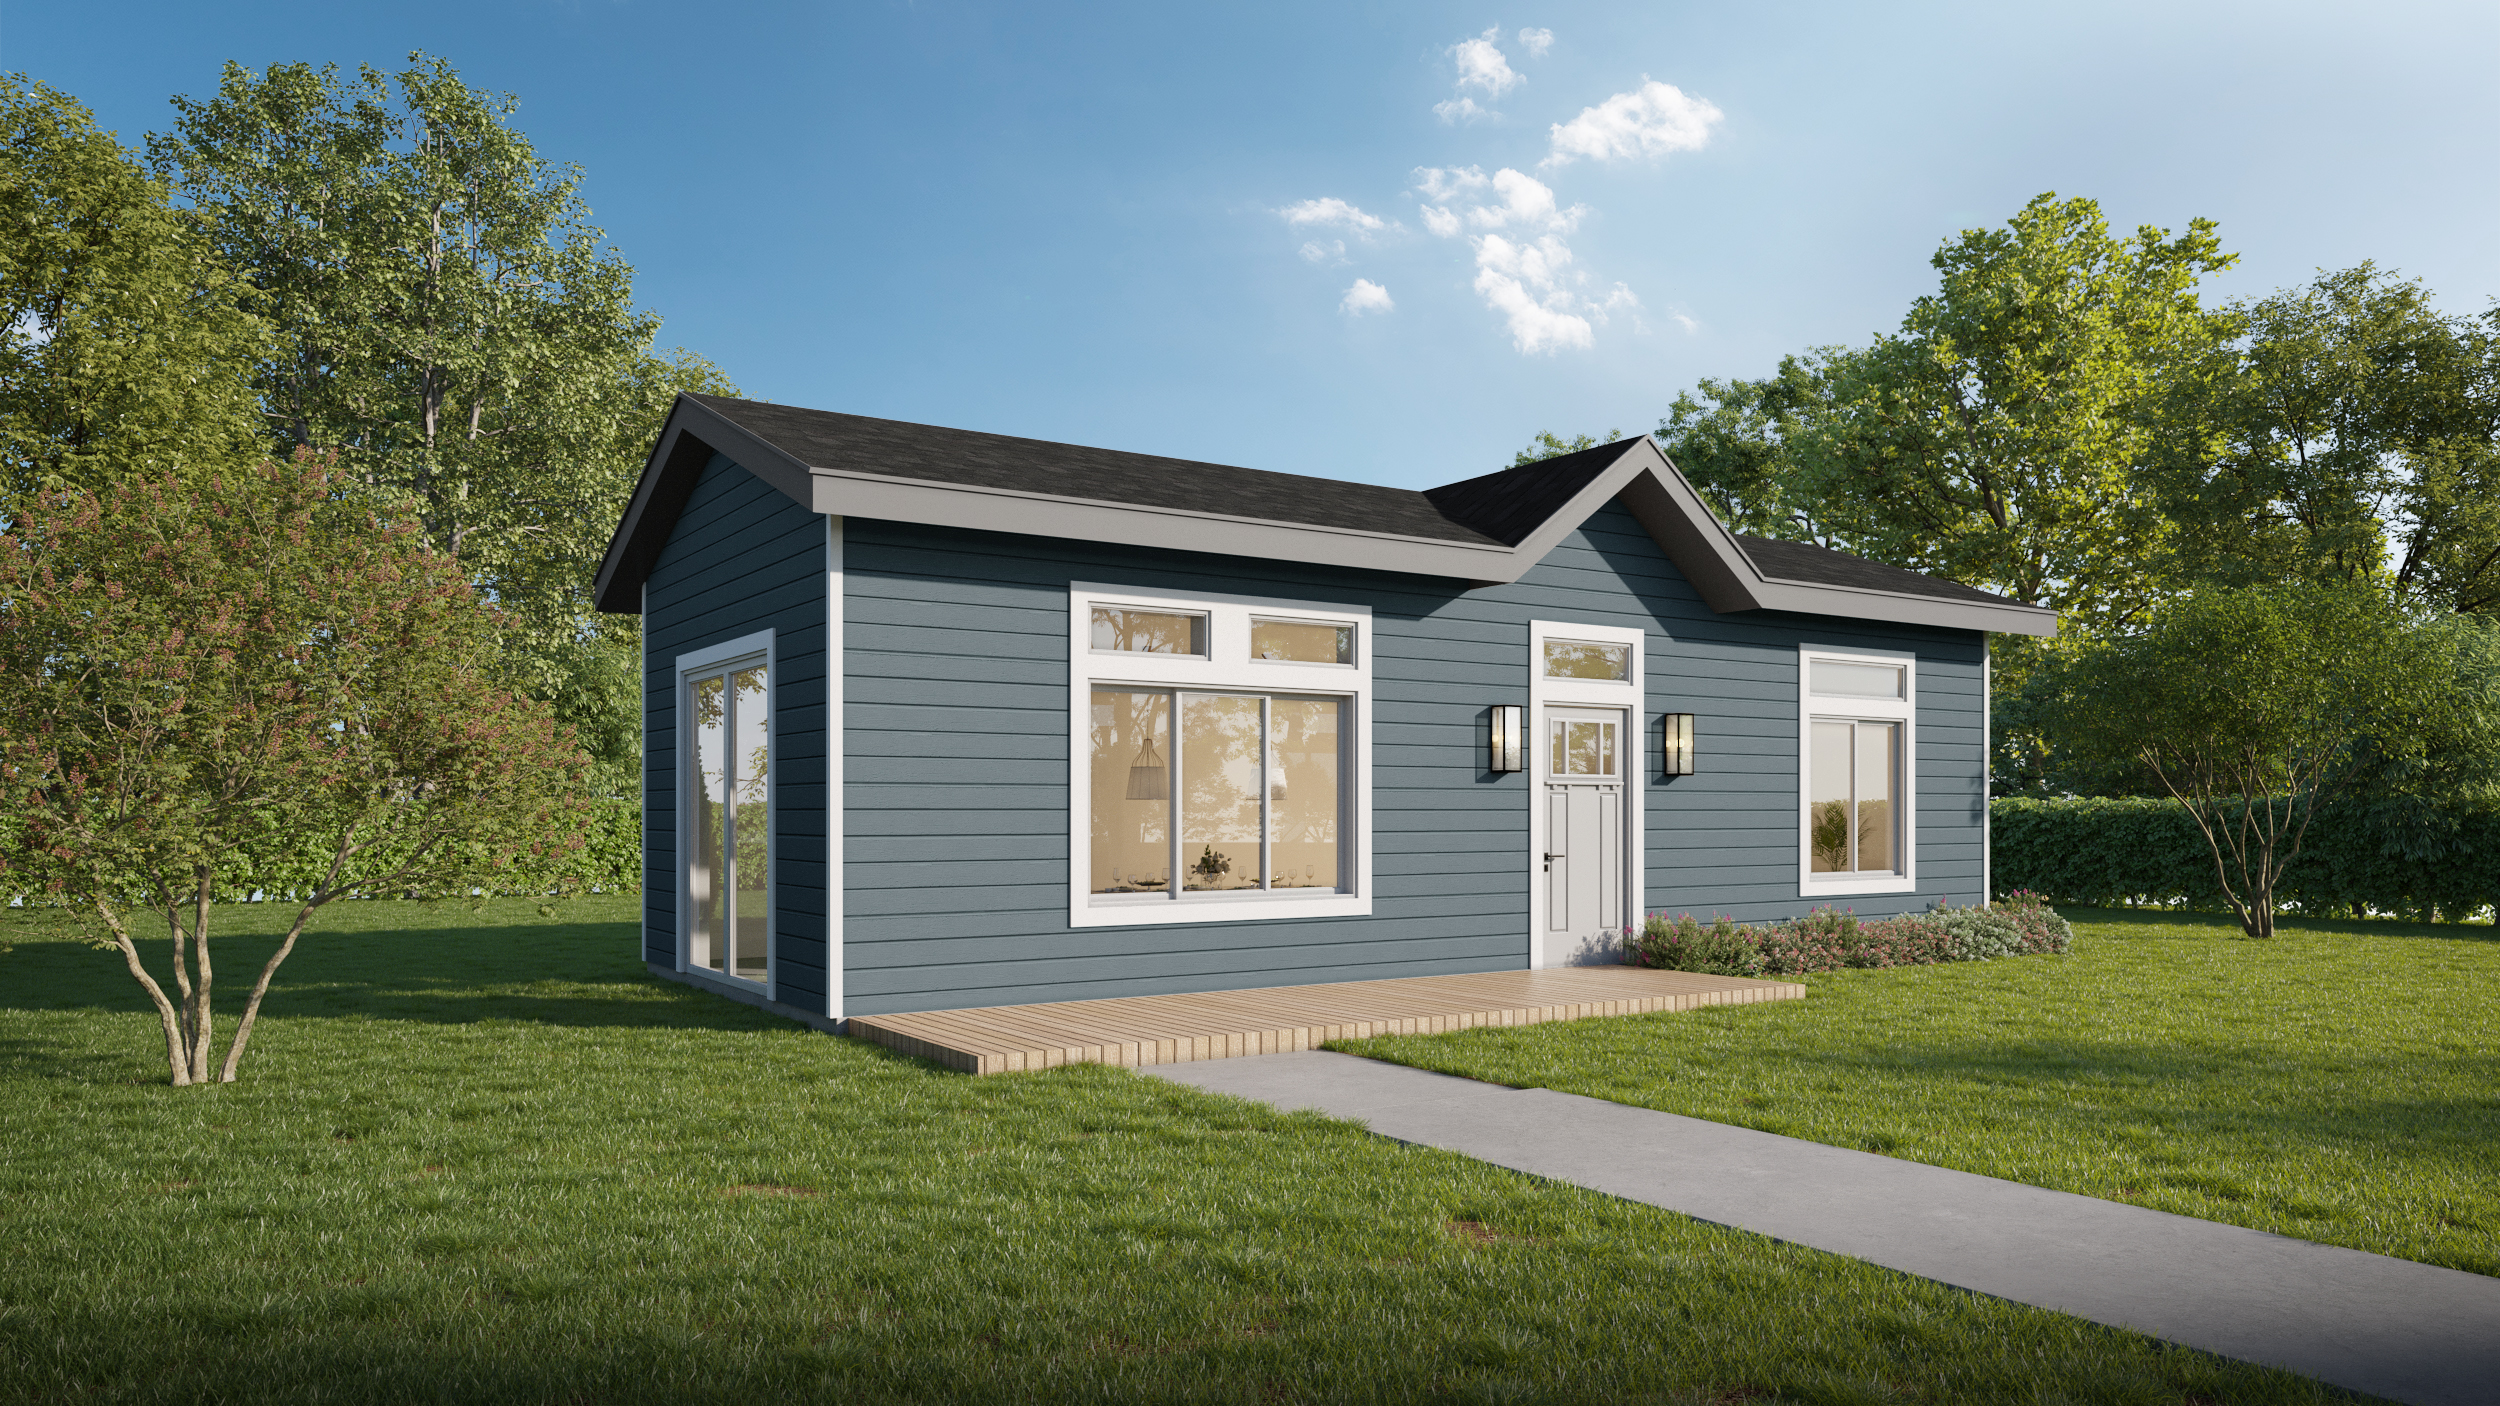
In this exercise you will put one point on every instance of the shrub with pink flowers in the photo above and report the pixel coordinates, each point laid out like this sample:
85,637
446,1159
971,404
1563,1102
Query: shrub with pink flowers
1829,939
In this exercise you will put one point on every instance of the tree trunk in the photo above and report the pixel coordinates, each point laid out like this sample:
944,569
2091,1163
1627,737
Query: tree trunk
203,1023
176,1055
260,988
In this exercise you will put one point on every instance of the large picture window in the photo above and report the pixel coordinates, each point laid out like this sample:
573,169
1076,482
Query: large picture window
1858,713
1218,775
727,813
1253,780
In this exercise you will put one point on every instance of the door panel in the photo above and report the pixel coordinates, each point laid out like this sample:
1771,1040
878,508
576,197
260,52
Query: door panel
1585,837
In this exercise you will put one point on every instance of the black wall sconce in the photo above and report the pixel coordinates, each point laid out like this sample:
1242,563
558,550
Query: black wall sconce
1510,727
1675,744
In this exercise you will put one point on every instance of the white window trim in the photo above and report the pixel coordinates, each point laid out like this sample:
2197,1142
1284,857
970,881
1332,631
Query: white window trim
1631,696
689,664
1903,710
1226,667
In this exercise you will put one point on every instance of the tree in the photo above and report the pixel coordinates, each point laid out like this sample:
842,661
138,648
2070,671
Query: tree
2352,436
248,683
1995,438
451,328
1549,445
2254,707
122,342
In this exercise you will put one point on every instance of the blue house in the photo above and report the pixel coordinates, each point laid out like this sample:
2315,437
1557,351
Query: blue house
937,719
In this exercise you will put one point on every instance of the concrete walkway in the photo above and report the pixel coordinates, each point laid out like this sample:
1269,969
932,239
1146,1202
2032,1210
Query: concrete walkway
2387,1327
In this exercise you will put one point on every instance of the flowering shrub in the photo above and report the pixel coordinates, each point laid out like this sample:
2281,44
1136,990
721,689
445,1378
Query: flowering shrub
1829,939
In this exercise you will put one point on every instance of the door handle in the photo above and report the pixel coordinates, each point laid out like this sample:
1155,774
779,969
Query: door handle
1550,856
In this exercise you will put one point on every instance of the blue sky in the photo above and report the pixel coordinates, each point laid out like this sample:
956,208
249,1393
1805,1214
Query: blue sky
1114,225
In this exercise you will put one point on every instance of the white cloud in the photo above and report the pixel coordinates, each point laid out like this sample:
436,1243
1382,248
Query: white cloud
1536,41
1656,119
1365,296
1458,110
1481,65
1521,201
1442,185
1521,282
1691,328
1330,252
1527,203
1330,210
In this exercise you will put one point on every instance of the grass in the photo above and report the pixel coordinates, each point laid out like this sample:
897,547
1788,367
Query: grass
2340,1083
485,1157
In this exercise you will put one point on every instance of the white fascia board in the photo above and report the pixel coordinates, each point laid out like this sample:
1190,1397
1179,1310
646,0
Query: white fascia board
1898,608
1712,559
1179,529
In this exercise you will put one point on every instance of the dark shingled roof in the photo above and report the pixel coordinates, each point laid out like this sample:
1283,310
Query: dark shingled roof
1821,566
1495,509
854,443
1509,505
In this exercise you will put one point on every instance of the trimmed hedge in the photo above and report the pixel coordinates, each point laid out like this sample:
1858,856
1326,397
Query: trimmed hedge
1829,939
2119,852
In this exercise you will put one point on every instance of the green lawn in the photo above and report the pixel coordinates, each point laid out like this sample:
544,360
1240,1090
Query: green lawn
2339,1083
487,1158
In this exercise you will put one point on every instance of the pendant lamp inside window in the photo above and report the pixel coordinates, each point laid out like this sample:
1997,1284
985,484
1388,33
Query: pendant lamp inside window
1147,778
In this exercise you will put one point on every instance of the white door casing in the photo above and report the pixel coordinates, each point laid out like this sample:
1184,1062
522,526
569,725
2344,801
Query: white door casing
1622,699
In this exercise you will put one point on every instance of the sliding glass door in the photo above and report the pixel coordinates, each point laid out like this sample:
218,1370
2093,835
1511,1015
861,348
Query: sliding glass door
729,862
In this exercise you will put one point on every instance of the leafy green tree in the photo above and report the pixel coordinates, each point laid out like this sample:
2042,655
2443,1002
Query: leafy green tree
1995,438
451,328
2352,436
2256,707
122,342
1549,445
236,683
1736,442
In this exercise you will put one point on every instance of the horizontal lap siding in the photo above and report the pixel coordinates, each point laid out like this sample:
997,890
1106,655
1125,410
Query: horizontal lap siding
957,822
742,559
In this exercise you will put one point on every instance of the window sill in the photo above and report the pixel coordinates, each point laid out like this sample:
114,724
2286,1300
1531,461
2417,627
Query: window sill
1148,910
1850,885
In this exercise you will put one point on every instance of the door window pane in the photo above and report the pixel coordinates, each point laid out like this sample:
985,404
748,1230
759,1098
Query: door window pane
1148,631
1303,790
1301,642
1842,680
1132,786
1581,746
751,829
707,870
1222,761
1578,659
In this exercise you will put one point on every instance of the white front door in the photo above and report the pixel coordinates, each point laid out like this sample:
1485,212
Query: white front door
1585,836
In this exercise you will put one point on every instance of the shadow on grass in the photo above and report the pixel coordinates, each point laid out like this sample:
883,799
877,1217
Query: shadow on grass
551,973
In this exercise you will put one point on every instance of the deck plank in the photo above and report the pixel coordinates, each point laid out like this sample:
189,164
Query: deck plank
1148,1030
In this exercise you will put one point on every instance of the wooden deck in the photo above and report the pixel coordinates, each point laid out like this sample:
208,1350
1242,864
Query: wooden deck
1272,1020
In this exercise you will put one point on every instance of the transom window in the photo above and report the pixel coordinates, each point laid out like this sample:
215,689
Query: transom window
1216,772
1586,659
1301,642
1120,631
1857,749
